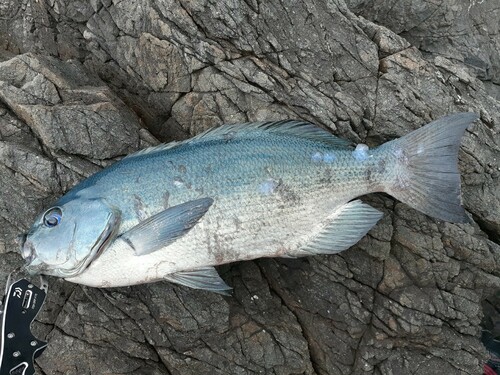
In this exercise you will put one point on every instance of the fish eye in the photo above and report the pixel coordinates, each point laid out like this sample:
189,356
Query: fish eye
52,217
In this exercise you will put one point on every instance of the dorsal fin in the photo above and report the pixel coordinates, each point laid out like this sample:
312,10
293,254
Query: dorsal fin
299,129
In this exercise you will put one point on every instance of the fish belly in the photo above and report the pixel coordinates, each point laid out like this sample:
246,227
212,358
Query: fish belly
251,233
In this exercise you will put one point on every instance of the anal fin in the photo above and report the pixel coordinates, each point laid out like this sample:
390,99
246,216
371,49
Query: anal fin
205,278
351,223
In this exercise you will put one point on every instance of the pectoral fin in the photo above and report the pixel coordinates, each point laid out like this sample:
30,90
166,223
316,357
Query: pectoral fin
205,278
165,227
348,226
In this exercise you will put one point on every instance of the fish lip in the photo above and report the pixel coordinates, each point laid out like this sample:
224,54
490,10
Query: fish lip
27,252
32,269
21,239
106,236
25,249
32,266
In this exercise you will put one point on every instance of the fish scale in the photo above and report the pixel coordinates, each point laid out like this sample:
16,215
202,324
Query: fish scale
235,193
264,159
267,219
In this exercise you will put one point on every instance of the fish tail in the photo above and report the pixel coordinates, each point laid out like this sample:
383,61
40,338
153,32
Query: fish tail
426,176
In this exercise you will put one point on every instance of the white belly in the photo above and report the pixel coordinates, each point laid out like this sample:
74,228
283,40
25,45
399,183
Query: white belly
264,229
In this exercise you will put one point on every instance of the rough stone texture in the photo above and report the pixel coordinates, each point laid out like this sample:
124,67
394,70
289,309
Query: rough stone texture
83,83
467,32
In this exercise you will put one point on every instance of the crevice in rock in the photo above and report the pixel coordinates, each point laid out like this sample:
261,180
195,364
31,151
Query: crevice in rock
315,362
487,229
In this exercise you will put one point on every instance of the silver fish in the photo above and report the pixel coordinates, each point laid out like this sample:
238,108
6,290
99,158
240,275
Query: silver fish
238,192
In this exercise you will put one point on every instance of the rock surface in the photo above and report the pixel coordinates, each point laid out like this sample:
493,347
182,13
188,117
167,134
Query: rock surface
84,83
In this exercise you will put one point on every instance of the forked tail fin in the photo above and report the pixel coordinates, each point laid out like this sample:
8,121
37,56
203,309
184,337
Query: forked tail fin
427,176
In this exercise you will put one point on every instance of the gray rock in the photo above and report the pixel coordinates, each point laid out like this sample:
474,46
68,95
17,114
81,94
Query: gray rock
44,91
464,31
84,83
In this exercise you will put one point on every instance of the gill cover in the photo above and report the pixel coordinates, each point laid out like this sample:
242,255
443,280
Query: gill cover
66,238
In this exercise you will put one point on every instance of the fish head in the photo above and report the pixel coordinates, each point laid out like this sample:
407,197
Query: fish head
65,238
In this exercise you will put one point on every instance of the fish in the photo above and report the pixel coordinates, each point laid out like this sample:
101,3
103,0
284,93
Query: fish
239,192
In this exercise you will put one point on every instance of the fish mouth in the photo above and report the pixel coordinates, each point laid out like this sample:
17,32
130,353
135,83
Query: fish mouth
27,251
34,266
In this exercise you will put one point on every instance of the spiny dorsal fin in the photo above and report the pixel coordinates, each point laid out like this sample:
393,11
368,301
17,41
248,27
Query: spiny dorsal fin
299,129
